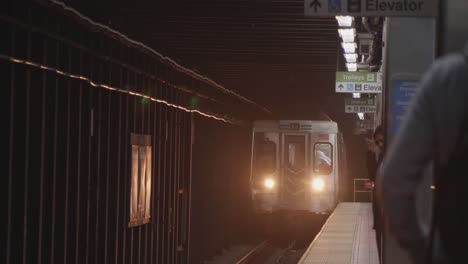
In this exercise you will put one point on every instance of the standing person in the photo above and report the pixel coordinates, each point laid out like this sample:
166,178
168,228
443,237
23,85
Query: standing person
374,158
434,131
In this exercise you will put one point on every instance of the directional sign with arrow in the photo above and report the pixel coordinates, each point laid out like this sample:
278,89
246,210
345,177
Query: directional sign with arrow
384,8
315,4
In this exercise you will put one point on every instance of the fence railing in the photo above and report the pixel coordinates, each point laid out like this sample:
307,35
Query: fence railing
363,185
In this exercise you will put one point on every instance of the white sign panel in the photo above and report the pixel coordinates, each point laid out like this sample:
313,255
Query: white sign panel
358,82
360,109
385,8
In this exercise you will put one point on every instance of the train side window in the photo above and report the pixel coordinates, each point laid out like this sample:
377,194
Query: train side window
140,190
323,158
264,153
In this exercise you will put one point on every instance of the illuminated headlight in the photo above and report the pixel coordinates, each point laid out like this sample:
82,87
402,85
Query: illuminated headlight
269,183
318,184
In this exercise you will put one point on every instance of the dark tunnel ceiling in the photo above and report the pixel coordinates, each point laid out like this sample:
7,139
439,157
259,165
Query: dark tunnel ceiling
266,50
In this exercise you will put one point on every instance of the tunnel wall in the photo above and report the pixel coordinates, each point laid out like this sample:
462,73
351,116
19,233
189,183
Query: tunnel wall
72,95
221,209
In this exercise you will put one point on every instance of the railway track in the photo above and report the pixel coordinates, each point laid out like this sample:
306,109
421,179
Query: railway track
267,252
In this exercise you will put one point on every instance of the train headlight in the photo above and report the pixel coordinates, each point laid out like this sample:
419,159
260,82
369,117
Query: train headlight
269,183
318,184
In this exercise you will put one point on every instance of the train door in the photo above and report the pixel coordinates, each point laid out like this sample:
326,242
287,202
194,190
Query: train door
294,167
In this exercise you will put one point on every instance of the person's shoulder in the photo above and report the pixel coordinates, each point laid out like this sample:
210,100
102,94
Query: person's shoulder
450,64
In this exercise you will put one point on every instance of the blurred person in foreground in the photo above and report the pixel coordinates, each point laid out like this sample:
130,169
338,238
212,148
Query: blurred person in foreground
373,159
434,131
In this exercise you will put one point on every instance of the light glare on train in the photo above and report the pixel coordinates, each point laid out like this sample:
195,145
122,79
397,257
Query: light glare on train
269,183
318,184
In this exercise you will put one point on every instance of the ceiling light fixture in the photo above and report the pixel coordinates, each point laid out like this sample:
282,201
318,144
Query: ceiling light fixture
345,21
349,47
351,66
350,57
347,34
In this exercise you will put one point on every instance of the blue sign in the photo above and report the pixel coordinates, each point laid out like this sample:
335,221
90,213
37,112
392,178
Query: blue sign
334,6
403,93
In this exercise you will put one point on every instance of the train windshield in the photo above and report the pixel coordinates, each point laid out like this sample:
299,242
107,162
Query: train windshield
323,158
265,149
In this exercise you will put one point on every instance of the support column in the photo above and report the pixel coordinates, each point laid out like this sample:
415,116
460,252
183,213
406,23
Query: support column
409,50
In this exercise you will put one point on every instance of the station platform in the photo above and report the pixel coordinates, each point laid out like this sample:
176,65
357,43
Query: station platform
346,237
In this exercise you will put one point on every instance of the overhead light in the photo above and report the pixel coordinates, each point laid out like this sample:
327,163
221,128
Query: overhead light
347,34
350,57
349,47
351,66
361,116
356,95
345,21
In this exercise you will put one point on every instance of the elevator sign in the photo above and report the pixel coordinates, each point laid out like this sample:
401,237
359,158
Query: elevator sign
385,8
358,82
360,105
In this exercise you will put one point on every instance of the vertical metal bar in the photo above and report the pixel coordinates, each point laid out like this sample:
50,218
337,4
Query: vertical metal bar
43,139
140,85
78,179
175,176
109,102
67,165
147,131
126,180
165,243
154,222
135,102
98,169
88,193
179,191
185,148
54,173
119,136
158,111
10,161
26,158
180,188
172,172
176,183
189,231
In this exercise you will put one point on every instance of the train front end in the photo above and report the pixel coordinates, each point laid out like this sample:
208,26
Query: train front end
294,166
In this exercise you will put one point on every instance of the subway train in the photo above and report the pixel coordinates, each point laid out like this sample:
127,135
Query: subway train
297,166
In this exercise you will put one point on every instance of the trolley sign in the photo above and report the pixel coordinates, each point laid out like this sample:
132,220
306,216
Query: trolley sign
360,105
358,82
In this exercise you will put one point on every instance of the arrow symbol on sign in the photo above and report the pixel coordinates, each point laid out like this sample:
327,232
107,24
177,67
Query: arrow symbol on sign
315,4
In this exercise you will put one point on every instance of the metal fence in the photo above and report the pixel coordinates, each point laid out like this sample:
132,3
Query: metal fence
363,186
72,94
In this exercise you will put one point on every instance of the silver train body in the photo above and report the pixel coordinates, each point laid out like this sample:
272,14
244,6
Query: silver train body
296,165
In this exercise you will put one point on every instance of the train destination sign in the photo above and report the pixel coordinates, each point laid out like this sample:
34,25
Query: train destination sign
406,8
360,105
358,82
